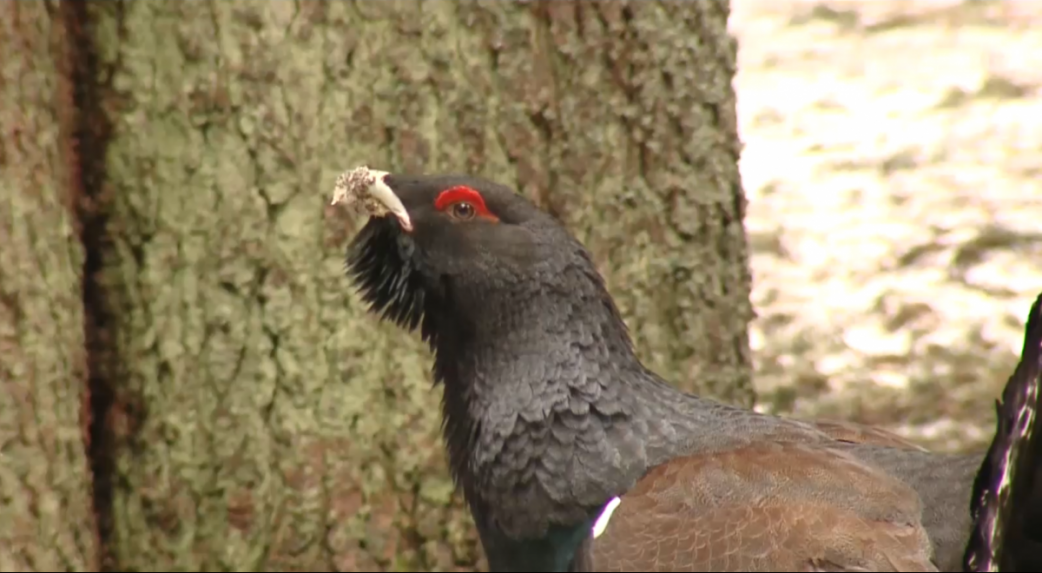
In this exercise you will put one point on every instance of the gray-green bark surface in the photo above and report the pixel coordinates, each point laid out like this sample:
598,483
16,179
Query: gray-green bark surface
261,419
46,509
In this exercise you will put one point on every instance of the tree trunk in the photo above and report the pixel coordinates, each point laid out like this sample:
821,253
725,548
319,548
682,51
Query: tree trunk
259,418
46,507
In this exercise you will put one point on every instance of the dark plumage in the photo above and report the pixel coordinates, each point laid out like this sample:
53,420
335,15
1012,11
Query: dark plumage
549,415
1007,533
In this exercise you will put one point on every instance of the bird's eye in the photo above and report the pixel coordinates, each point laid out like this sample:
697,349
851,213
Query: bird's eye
463,210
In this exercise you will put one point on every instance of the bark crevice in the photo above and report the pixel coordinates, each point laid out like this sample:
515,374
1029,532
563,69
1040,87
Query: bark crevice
91,131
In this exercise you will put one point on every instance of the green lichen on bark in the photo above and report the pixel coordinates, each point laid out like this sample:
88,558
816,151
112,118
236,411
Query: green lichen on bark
46,511
261,419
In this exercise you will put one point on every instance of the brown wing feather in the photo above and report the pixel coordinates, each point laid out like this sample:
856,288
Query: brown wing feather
766,507
862,434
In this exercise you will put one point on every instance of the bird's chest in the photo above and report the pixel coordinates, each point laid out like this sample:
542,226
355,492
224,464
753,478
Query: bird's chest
538,451
525,432
530,484
519,461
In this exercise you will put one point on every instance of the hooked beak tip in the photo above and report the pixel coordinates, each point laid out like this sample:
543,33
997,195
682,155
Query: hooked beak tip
367,186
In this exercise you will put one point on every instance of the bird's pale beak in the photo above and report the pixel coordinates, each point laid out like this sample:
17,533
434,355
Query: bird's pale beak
367,186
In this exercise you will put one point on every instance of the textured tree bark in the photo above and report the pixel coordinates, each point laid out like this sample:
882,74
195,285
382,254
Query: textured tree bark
259,418
46,509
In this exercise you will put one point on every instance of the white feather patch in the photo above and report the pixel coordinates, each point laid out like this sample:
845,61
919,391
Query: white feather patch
366,186
602,522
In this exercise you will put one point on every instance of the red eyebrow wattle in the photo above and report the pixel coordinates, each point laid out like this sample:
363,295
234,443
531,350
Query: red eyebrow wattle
462,193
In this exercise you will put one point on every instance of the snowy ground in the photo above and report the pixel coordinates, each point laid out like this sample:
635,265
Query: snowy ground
893,163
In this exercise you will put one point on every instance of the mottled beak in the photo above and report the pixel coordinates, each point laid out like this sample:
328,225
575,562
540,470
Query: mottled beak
366,187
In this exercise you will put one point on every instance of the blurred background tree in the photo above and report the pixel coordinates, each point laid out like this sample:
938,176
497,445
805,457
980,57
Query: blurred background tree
168,189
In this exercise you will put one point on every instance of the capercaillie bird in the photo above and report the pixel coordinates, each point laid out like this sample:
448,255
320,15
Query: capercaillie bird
573,456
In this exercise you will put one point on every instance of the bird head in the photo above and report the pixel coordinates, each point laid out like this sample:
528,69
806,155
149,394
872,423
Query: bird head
455,246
